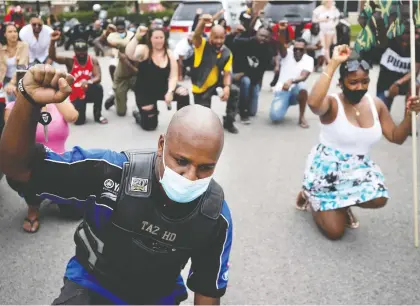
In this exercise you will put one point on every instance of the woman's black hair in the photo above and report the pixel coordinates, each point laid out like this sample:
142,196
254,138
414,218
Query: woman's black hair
344,69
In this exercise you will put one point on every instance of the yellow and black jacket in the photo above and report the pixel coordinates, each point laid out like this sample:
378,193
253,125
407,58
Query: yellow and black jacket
208,65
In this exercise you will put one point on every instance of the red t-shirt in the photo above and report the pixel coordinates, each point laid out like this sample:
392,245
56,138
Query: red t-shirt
290,31
80,73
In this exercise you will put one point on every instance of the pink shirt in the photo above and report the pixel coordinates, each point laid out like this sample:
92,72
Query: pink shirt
58,130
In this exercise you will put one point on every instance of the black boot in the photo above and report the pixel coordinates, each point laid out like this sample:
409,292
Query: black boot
229,126
137,117
109,102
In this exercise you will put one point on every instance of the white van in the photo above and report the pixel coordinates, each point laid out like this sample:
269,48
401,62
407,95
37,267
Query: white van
183,17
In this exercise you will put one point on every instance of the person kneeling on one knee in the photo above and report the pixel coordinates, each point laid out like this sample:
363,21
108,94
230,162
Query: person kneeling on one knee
296,66
157,76
339,172
87,74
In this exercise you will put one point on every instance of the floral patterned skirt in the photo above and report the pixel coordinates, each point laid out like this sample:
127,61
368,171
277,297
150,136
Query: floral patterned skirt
334,180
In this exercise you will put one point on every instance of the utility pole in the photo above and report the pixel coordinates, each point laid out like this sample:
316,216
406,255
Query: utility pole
38,7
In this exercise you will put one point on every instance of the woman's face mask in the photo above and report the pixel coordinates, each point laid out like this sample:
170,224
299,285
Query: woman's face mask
358,80
354,96
180,189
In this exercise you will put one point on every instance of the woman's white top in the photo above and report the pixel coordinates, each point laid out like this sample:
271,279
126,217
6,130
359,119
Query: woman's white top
333,15
11,67
348,138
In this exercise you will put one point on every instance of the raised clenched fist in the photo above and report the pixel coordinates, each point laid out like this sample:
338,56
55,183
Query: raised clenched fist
55,35
47,85
207,18
341,54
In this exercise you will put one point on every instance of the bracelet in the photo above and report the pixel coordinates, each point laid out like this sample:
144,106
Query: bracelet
25,94
326,74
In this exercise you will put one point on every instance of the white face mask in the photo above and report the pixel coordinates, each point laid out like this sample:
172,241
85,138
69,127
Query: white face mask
180,189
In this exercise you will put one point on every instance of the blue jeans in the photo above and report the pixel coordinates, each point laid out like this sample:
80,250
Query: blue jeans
282,100
248,97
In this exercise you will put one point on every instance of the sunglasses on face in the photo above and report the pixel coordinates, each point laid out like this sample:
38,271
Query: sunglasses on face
352,66
35,25
298,49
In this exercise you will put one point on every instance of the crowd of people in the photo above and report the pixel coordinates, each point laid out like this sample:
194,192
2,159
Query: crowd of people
149,234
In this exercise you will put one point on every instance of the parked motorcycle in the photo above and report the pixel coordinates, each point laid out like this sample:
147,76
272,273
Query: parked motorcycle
78,31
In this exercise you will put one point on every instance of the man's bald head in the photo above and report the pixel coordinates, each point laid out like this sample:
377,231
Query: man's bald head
217,36
196,123
217,30
193,142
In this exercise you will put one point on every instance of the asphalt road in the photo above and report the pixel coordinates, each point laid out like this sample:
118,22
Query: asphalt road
278,255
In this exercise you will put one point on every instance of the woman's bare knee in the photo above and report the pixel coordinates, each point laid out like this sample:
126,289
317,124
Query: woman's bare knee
147,107
332,223
182,91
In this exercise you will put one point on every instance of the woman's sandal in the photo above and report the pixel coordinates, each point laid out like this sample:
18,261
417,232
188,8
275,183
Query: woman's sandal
301,198
352,222
32,222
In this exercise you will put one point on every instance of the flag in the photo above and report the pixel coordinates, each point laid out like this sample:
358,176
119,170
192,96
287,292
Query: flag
392,12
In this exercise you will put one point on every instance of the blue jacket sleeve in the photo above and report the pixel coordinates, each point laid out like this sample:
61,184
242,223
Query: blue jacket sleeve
74,176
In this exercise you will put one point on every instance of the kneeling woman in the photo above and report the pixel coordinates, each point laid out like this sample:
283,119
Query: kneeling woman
339,172
157,75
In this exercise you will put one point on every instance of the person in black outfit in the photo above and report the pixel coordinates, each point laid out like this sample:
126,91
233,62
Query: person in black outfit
157,76
395,71
251,58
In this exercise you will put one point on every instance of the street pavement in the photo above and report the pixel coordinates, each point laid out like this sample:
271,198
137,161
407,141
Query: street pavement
278,254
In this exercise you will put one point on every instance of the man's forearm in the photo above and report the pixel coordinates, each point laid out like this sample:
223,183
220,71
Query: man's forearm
17,144
312,48
199,31
406,78
180,67
301,78
227,79
52,52
96,79
128,64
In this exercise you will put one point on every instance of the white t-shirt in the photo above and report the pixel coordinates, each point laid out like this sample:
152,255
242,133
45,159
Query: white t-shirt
38,48
291,69
313,41
184,49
